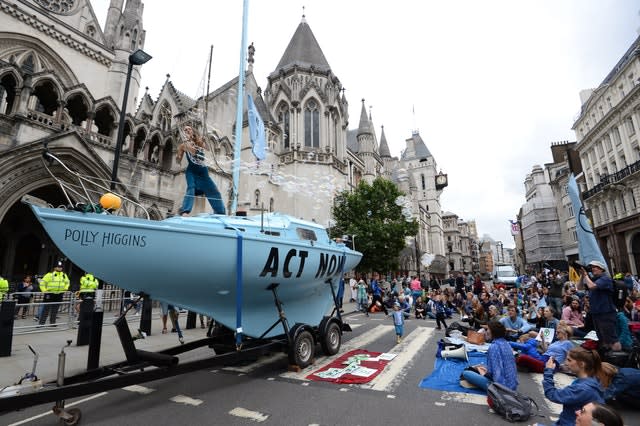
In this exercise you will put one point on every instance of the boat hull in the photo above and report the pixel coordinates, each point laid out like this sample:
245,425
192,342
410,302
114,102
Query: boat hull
217,265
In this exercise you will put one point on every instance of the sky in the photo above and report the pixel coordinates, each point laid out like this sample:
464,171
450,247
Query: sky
488,84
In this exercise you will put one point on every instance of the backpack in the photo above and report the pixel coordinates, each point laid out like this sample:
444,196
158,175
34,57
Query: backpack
620,293
510,404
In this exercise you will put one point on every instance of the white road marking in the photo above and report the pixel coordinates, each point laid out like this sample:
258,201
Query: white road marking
391,396
396,370
139,389
182,399
468,398
355,343
440,404
248,414
48,413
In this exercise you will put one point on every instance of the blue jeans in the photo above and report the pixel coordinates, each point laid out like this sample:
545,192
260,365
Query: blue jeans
199,181
478,380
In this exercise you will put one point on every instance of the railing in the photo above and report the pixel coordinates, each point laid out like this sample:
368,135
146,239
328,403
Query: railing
612,178
28,315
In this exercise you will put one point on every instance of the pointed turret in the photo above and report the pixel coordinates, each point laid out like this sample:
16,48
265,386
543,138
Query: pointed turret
384,147
364,128
416,148
113,17
303,51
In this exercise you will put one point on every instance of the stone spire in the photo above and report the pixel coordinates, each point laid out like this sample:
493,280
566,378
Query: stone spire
303,50
384,147
364,128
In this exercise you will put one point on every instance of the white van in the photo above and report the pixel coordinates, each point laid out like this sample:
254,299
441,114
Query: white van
504,274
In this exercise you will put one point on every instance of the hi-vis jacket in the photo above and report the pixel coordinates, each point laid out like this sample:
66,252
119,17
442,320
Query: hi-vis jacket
54,282
88,283
4,287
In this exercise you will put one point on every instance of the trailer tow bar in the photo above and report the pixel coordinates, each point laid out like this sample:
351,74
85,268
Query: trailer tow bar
73,415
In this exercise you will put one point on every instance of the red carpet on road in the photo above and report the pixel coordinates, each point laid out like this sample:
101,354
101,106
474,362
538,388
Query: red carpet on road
354,367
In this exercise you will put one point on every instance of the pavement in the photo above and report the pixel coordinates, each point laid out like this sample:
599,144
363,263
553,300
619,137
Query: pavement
49,344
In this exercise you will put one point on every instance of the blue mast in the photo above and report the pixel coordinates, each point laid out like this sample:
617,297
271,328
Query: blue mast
236,170
239,109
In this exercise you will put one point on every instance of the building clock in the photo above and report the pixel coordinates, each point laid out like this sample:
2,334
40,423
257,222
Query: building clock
57,6
441,180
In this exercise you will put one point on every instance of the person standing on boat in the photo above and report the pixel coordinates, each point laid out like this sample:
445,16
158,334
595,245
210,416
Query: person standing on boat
53,285
197,174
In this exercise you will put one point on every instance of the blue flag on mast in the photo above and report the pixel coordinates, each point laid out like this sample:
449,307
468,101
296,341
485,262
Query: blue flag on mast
587,245
256,130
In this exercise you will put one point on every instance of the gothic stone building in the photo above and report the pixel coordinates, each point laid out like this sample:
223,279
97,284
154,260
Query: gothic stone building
62,81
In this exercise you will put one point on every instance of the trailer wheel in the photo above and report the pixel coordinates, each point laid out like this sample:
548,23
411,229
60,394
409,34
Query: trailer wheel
331,339
75,414
301,354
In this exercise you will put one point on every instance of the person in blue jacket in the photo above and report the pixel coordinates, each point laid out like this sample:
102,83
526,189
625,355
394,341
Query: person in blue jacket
586,365
621,384
501,365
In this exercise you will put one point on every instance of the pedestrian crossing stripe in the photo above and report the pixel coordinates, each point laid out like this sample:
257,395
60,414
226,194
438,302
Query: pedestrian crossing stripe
397,368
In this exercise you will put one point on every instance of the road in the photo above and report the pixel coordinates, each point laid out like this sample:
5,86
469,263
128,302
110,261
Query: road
264,392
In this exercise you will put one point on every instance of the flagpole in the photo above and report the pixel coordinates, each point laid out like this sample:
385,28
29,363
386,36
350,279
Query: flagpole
236,172
239,109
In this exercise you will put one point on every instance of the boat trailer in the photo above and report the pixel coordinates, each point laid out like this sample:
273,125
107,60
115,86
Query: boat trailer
298,341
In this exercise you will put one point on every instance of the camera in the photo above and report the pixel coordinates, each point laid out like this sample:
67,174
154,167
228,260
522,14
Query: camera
577,266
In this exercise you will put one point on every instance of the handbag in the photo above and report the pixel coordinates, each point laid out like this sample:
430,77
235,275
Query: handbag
475,337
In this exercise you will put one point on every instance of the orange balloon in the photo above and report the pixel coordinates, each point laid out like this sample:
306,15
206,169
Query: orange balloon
110,201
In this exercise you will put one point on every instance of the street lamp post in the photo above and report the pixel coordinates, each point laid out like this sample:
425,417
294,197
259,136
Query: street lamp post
138,57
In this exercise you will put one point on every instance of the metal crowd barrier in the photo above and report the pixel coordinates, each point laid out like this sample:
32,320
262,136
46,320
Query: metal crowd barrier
27,315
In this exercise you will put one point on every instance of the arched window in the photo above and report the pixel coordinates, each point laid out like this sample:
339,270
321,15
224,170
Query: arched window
283,120
257,197
77,108
104,120
134,39
44,98
312,125
7,93
271,204
424,186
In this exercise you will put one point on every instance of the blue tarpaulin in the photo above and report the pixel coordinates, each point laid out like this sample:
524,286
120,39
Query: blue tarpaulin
446,373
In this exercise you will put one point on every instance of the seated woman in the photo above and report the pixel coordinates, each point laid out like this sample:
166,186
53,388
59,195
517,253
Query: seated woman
530,358
479,317
586,365
621,384
420,309
501,365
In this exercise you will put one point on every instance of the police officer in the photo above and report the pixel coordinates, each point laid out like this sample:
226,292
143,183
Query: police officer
53,285
88,286
4,288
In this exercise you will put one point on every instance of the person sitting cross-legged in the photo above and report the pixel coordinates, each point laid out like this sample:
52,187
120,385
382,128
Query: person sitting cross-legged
501,365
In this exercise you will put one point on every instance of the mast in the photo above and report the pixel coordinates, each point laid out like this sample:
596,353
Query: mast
206,103
236,173
239,108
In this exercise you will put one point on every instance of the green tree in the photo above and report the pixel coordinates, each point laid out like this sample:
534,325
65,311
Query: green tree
372,215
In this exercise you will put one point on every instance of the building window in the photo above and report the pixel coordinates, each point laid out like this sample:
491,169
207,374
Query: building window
571,214
257,197
272,203
424,186
283,119
312,125
616,135
631,129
